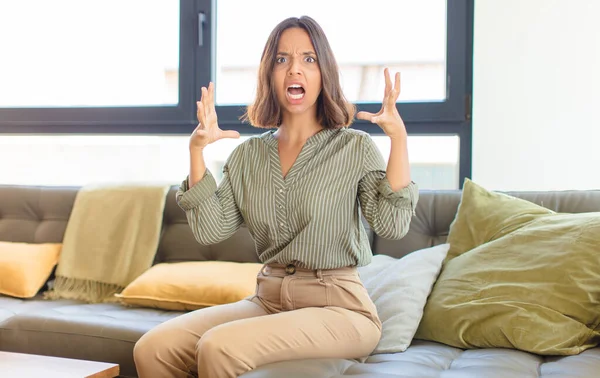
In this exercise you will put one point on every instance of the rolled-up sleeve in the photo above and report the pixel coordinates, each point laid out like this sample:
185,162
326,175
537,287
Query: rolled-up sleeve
211,211
388,212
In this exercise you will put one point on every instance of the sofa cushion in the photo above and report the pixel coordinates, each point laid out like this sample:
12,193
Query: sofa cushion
96,332
35,214
522,277
484,216
10,306
25,267
425,359
107,332
191,285
399,289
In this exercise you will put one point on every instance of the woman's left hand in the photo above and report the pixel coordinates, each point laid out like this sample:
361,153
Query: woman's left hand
388,117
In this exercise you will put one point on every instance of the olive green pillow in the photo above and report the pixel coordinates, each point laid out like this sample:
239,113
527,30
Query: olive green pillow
517,276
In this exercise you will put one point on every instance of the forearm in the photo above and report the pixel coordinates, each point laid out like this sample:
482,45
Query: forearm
197,166
398,168
387,200
211,210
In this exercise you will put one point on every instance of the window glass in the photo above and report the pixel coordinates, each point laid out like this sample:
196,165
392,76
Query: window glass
83,159
405,35
73,53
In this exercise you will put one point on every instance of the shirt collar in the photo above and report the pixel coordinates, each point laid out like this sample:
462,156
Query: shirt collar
316,139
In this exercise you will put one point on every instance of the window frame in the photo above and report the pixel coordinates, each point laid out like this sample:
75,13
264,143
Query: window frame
121,119
452,109
196,69
449,117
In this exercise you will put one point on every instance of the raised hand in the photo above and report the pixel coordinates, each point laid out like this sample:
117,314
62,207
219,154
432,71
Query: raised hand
208,130
388,117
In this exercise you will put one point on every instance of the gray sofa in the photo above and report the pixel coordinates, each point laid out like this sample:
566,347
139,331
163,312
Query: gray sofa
108,332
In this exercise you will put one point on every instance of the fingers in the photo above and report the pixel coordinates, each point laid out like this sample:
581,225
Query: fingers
388,82
397,87
229,134
205,101
208,104
206,107
201,114
391,93
201,111
366,116
211,97
388,88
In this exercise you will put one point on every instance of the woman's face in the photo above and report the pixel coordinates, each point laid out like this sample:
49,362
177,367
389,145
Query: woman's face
296,73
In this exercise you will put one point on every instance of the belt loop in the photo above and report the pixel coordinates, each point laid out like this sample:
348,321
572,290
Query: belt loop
262,270
320,275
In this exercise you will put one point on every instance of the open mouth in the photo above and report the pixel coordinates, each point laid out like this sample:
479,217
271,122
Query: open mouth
295,91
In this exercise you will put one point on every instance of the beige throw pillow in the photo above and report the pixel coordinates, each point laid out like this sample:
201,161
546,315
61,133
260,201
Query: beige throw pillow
191,285
25,267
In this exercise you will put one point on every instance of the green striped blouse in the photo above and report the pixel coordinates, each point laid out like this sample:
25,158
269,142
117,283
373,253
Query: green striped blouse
312,217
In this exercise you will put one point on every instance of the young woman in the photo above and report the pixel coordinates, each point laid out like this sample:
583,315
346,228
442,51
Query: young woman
301,188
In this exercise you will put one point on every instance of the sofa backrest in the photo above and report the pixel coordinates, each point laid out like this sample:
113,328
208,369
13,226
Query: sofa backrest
178,243
436,211
37,214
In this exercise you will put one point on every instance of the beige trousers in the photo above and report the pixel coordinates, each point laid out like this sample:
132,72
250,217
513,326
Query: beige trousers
304,314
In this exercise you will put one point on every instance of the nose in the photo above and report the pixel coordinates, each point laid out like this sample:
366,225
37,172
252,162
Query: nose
295,68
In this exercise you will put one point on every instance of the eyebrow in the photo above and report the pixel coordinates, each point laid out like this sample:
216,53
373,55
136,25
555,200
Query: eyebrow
304,53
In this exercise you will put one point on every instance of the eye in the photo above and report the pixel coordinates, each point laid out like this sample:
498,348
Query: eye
280,59
310,59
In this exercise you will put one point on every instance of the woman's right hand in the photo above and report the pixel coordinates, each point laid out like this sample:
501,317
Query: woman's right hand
208,129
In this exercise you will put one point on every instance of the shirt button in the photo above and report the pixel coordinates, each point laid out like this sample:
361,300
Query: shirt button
281,207
281,224
280,190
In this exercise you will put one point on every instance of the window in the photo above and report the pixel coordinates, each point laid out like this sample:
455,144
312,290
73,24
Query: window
136,67
97,67
99,60
428,41
76,160
405,35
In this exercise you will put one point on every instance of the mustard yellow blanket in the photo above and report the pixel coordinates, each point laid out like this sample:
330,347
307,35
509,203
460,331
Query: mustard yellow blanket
111,238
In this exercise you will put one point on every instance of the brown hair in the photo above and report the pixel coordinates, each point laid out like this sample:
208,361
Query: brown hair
333,110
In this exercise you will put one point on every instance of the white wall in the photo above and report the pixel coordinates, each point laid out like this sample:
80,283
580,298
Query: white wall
536,94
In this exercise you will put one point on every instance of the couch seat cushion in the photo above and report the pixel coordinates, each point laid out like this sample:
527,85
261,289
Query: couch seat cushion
10,306
108,332
429,359
98,332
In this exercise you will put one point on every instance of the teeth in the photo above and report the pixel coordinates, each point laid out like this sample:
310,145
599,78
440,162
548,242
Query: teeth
296,97
295,86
